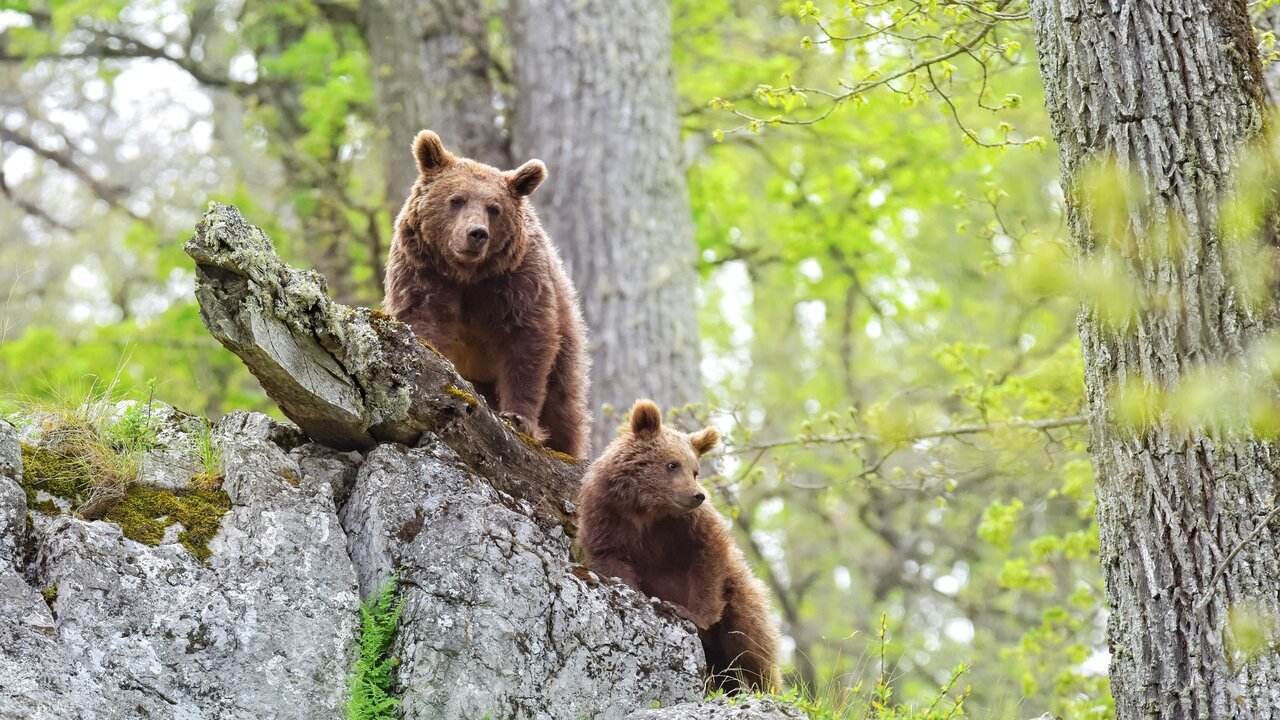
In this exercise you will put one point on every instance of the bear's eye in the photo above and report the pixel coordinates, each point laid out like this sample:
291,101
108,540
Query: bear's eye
493,210
673,466
457,201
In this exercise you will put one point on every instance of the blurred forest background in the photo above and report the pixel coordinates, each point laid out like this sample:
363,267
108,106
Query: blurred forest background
873,254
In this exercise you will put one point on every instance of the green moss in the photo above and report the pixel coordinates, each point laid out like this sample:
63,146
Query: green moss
431,347
200,512
64,476
50,595
533,443
462,395
379,315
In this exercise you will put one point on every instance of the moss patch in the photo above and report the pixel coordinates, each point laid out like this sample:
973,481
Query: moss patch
55,473
460,394
533,443
50,595
200,512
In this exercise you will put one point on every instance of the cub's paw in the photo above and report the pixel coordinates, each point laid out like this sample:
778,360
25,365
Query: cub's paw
682,611
524,425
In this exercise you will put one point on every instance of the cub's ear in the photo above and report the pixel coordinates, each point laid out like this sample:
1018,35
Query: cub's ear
646,419
430,152
705,440
526,178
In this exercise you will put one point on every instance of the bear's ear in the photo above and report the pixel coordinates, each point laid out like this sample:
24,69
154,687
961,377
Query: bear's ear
705,440
646,419
430,152
526,178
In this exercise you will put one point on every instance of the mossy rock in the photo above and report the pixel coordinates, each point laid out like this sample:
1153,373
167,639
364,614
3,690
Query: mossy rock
57,474
200,512
460,394
533,443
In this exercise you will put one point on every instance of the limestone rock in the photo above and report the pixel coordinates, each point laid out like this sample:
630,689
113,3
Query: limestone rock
723,709
498,621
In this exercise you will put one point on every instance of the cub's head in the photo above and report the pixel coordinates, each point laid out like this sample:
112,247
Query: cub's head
468,214
651,471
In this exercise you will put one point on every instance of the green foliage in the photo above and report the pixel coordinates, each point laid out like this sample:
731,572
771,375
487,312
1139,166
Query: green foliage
209,453
369,688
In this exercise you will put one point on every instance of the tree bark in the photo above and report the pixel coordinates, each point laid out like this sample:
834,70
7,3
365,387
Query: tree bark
353,377
434,69
1170,92
597,103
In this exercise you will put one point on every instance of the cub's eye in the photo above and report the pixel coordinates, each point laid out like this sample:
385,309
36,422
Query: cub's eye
493,210
457,201
673,466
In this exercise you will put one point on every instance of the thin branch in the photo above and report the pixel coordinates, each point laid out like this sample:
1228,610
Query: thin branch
30,207
956,431
1222,567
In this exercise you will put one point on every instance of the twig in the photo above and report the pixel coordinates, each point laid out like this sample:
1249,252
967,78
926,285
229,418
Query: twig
958,430
1222,567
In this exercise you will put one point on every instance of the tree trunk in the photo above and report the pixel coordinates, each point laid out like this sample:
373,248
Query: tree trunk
433,69
597,103
1169,92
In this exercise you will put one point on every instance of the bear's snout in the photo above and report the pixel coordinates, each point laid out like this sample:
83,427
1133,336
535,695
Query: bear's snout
698,498
477,236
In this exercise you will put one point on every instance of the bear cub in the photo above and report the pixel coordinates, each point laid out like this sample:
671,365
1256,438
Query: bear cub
472,272
643,517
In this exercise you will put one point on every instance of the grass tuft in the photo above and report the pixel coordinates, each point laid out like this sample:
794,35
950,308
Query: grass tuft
840,701
369,689
90,454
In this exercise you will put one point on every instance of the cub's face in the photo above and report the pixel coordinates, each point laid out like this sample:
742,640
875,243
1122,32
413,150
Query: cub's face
470,212
655,468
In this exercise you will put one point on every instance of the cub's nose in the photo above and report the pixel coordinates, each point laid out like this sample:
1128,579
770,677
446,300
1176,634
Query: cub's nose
697,499
477,236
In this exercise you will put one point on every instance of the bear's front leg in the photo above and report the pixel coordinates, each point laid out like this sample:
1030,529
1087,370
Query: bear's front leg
522,378
610,566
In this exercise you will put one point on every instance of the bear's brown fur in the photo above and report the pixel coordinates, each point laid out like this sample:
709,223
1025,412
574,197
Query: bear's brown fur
473,273
642,518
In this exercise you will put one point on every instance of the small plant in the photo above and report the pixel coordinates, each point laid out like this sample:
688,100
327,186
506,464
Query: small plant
209,453
135,430
369,689
839,702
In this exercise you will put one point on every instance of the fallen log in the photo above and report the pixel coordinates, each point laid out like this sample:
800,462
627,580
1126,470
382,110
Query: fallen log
351,377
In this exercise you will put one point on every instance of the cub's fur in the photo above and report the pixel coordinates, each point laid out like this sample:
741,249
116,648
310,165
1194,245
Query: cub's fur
643,518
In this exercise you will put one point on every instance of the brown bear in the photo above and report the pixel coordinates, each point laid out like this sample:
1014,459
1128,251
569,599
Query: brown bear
473,273
643,517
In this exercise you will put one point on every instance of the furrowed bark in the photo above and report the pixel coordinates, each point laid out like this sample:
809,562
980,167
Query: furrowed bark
597,103
1170,92
353,377
433,70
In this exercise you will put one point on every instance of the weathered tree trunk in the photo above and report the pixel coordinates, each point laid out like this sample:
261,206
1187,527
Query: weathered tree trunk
352,377
1169,91
433,69
597,103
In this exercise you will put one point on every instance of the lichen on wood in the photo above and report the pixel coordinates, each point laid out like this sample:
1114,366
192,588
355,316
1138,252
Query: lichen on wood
354,377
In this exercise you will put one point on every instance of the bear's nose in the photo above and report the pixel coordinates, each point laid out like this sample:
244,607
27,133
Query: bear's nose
699,498
478,236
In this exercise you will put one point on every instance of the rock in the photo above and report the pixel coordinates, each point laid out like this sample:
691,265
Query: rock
497,620
13,503
266,629
10,452
723,708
